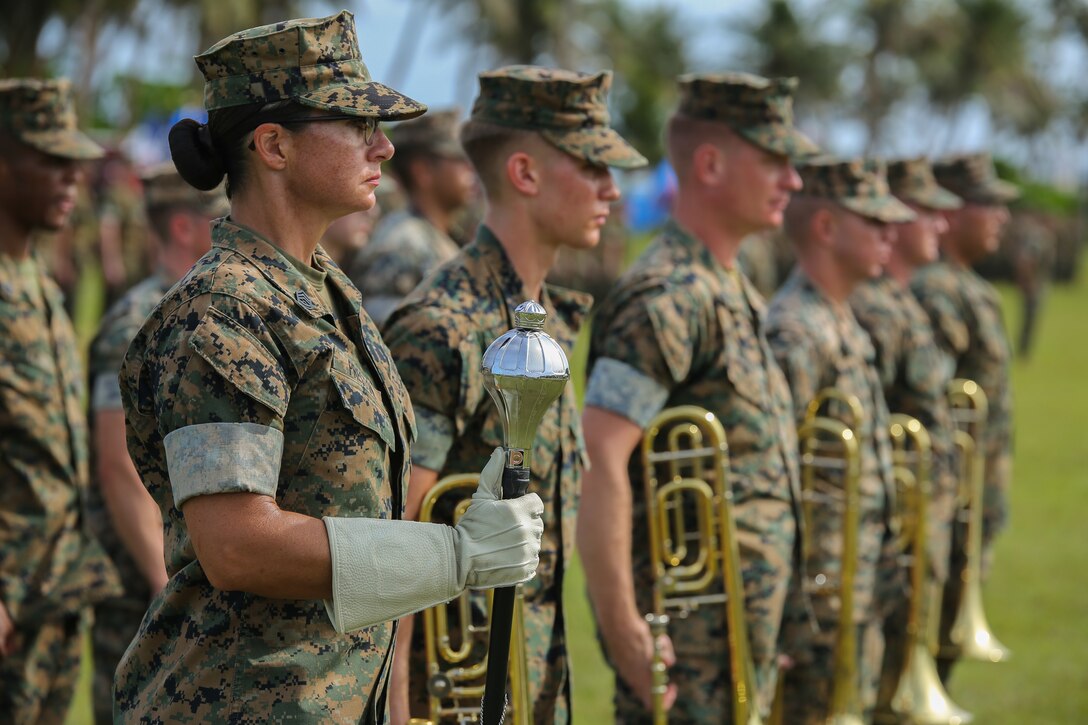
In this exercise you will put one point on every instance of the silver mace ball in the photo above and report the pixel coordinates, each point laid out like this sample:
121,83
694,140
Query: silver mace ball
525,371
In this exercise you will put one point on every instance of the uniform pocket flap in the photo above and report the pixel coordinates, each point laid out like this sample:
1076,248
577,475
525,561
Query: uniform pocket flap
362,399
241,359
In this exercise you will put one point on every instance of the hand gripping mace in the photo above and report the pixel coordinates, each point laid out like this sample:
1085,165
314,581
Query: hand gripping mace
525,371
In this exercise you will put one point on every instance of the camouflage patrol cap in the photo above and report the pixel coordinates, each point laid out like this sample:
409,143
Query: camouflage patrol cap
759,109
436,133
42,114
972,177
859,185
569,109
164,187
312,61
911,180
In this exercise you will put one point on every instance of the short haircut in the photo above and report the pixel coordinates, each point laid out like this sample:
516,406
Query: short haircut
158,217
488,145
799,215
684,134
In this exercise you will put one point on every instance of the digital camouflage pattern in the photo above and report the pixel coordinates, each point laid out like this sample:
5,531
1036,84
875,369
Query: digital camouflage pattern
912,181
38,682
695,331
569,109
438,337
405,248
42,114
915,375
820,344
969,328
245,338
51,569
972,177
312,61
117,619
759,109
859,185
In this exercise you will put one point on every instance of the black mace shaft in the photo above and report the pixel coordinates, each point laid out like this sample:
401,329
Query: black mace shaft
525,371
515,482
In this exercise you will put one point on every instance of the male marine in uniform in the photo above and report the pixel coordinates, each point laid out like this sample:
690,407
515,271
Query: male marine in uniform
686,327
51,570
969,328
540,141
439,182
122,513
914,375
840,226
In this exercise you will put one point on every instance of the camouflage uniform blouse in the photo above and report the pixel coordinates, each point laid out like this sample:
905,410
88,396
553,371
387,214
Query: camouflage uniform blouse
915,375
49,566
438,337
820,344
969,327
405,248
246,338
680,329
119,326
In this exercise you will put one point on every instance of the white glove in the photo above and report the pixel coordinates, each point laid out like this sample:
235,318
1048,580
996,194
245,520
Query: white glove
499,541
384,569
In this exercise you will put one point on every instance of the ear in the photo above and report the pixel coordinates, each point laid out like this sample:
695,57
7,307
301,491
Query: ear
822,226
708,164
523,173
273,145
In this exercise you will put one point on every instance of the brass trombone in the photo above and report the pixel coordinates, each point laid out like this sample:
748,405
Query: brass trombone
693,542
456,658
831,444
920,698
970,635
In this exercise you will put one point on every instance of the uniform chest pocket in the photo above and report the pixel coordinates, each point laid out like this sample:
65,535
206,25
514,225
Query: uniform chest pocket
362,399
743,360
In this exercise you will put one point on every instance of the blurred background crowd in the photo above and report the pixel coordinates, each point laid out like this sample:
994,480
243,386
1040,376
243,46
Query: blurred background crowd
879,77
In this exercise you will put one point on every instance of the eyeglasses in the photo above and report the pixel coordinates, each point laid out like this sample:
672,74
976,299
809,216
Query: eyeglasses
369,124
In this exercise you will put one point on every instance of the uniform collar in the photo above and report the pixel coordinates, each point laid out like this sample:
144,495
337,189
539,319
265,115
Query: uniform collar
697,253
570,306
272,263
13,285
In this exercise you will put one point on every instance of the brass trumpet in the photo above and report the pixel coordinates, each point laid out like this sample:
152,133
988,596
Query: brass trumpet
831,444
970,635
456,658
686,464
920,698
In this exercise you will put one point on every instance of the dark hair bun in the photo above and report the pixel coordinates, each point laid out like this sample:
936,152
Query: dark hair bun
195,155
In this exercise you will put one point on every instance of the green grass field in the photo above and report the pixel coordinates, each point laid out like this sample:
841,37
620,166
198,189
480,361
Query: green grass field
1037,596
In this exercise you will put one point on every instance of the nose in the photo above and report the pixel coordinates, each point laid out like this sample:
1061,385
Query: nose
610,192
940,224
791,180
381,148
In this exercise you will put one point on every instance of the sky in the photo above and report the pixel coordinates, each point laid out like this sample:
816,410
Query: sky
419,49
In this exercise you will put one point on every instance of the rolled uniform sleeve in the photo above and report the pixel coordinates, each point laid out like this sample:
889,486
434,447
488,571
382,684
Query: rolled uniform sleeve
220,391
644,352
